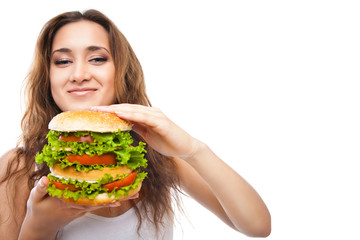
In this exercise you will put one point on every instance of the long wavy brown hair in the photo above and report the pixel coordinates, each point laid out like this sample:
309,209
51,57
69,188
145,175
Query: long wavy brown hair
156,194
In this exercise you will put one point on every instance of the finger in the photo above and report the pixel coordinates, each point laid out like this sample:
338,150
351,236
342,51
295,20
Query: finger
87,208
80,206
142,116
118,107
39,192
128,108
148,117
139,129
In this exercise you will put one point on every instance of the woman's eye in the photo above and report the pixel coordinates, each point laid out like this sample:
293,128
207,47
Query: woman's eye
62,62
99,59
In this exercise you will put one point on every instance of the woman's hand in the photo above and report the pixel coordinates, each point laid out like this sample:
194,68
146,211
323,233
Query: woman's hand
157,130
231,197
46,215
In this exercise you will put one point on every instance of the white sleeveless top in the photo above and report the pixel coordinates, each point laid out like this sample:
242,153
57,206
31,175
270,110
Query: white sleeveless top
95,227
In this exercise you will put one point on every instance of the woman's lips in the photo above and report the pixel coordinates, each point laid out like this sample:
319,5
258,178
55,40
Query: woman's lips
79,92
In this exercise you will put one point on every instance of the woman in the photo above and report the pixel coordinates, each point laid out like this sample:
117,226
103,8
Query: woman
82,61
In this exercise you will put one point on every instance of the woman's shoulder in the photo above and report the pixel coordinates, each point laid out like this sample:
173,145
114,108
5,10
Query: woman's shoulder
13,169
14,174
6,159
9,154
11,161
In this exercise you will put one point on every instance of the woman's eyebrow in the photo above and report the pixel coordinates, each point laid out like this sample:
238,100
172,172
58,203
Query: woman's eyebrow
64,50
89,48
95,48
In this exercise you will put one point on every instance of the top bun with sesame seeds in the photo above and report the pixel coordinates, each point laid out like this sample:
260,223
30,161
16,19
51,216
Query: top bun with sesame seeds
71,121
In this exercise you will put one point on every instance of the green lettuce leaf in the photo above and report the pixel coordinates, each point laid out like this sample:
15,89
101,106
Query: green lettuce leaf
91,190
118,142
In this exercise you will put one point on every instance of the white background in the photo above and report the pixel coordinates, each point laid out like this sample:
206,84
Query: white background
271,86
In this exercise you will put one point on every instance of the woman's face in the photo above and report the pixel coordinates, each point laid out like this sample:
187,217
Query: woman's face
82,70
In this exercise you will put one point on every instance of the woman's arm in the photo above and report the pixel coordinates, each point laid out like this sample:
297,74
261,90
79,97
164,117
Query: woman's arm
230,197
12,210
224,192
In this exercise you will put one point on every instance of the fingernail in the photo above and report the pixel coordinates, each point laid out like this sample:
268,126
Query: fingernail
41,183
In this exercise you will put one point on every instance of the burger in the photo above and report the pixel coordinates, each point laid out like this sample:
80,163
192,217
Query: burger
92,158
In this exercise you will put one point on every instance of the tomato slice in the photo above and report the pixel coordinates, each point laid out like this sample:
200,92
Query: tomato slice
62,186
87,138
105,159
122,182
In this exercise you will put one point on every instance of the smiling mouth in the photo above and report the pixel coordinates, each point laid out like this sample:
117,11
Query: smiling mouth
82,91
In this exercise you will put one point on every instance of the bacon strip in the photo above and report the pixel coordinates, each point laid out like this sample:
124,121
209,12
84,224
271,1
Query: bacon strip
87,138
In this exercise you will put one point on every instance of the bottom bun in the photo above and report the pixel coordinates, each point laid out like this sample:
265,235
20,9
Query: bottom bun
102,198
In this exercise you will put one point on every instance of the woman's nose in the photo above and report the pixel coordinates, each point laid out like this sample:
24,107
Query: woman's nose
80,73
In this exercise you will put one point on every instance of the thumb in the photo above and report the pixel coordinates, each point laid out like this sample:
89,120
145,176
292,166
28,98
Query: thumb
39,191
